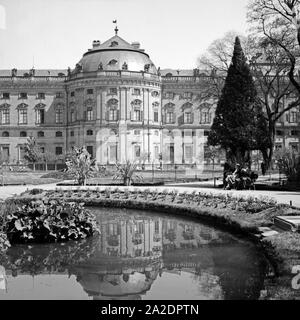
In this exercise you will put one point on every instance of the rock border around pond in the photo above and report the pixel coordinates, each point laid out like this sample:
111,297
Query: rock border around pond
239,215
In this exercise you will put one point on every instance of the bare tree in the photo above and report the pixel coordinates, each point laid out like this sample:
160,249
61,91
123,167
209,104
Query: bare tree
270,67
216,61
279,21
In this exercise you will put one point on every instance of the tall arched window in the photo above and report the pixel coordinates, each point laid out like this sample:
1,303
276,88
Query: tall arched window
205,113
136,113
22,113
112,112
4,114
40,113
59,115
169,113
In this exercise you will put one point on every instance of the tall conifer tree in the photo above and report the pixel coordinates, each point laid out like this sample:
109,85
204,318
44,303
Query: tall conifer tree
239,124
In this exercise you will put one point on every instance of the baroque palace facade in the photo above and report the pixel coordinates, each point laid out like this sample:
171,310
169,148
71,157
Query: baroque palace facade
116,103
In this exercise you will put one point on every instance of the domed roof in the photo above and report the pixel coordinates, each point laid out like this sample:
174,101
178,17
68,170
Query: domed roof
116,54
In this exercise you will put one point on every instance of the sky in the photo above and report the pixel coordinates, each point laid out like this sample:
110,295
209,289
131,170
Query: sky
54,34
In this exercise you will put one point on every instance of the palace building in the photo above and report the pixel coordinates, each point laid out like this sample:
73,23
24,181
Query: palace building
118,104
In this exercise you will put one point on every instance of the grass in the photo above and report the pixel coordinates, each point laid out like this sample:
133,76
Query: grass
22,178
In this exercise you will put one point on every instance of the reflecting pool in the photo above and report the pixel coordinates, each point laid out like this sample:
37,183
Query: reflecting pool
138,255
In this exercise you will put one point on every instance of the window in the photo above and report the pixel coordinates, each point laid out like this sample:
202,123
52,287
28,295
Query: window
188,152
5,95
59,95
156,226
73,116
72,133
294,132
155,116
40,116
293,118
113,91
58,134
188,95
169,95
205,117
137,151
23,134
72,93
278,146
42,149
113,153
206,133
188,117
89,132
89,114
58,115
294,146
113,115
58,150
5,134
90,150
169,117
23,95
279,133
22,116
137,132
5,153
113,62
41,95
136,92
5,116
90,91
41,134
137,115
156,152
155,94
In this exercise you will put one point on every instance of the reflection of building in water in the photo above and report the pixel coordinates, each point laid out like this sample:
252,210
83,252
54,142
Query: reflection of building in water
140,237
134,251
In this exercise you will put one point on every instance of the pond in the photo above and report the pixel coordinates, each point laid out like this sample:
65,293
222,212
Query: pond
138,255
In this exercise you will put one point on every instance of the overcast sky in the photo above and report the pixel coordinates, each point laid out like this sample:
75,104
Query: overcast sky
57,32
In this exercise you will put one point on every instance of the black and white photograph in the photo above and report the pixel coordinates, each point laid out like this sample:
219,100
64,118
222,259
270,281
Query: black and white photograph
149,151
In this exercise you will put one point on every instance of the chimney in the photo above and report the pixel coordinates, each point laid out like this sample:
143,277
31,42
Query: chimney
96,43
136,45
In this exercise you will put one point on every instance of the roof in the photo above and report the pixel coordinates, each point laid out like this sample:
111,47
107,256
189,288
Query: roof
116,54
38,72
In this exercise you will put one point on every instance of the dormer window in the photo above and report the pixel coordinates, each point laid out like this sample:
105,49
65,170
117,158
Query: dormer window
5,95
23,95
41,96
113,62
114,44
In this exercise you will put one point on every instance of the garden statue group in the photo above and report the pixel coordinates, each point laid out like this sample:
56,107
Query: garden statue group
240,178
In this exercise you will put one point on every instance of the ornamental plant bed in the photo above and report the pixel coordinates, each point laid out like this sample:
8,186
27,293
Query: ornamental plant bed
48,220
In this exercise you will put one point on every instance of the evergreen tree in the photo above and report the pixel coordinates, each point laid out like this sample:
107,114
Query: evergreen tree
239,124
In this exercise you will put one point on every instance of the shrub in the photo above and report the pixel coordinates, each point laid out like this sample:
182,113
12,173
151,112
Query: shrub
80,165
49,221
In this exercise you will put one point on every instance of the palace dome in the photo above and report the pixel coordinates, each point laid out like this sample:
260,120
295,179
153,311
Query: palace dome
116,54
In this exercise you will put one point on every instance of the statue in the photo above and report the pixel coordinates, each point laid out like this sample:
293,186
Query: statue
78,67
124,66
69,71
158,71
14,72
100,67
146,67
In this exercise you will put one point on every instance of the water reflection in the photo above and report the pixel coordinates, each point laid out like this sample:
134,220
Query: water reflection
137,256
